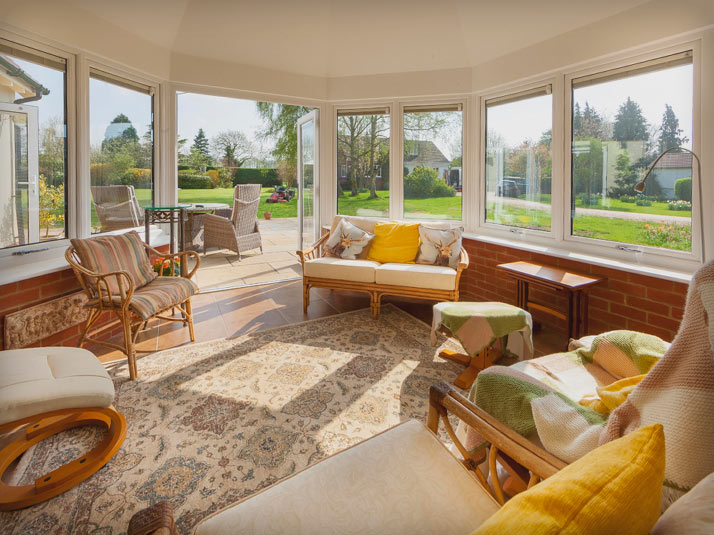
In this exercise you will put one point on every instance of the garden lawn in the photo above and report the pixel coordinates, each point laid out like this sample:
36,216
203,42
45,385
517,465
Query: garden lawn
436,208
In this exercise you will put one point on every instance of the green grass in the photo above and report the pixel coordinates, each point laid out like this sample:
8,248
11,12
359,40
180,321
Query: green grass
619,230
436,208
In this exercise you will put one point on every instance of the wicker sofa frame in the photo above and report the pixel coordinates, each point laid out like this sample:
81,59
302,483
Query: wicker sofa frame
375,290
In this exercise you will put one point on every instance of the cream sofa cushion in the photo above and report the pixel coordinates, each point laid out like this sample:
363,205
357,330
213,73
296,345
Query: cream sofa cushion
37,380
417,276
400,481
341,269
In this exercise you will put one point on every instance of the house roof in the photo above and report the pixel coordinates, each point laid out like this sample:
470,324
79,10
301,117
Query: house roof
675,160
427,154
21,82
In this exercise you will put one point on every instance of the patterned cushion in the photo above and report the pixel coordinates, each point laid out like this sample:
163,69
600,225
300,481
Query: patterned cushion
439,247
160,294
122,252
347,241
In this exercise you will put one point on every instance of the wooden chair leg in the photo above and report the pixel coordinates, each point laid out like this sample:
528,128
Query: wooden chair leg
129,346
67,476
189,317
305,297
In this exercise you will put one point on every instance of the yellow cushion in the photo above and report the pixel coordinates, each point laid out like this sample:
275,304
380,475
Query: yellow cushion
610,397
395,242
615,488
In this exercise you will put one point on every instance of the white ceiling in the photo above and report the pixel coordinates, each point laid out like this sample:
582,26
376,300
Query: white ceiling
351,37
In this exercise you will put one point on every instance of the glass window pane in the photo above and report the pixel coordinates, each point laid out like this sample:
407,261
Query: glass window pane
122,147
619,127
363,165
32,150
432,164
519,162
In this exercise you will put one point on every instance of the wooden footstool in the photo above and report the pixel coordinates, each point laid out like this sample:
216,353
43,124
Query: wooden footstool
487,331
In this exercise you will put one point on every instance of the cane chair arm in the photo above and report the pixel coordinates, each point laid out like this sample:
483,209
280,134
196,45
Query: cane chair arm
218,222
463,259
183,255
444,400
312,252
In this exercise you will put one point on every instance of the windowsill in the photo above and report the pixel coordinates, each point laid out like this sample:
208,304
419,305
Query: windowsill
675,276
30,266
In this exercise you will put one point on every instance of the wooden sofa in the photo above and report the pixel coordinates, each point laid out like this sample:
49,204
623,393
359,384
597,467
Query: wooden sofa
435,283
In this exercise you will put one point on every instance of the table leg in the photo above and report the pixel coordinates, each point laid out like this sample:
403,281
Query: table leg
586,306
182,216
147,224
172,232
571,314
474,365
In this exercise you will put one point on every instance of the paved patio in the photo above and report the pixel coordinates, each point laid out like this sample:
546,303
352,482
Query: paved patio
221,268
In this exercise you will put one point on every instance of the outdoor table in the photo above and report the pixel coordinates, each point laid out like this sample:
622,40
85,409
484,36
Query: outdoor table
480,327
173,215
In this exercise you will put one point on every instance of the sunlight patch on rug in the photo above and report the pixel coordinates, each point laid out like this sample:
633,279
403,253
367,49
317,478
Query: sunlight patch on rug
212,423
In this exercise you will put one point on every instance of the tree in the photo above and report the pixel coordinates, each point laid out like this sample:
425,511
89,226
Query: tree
626,177
630,124
670,135
588,123
200,143
51,157
233,148
280,124
127,138
587,169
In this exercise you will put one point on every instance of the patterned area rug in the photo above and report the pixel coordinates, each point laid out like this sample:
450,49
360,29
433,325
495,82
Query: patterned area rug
211,423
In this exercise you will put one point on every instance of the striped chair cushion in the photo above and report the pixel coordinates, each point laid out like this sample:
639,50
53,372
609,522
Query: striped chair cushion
160,294
122,252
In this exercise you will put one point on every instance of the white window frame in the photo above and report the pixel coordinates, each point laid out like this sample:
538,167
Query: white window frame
16,259
84,179
397,212
356,107
641,253
507,230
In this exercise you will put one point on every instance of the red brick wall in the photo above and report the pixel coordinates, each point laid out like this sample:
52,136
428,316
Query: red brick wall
624,301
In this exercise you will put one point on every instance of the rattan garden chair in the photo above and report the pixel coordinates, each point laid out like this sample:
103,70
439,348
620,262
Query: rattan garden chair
240,233
117,207
116,275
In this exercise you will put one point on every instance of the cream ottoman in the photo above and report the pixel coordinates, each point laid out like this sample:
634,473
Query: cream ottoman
49,390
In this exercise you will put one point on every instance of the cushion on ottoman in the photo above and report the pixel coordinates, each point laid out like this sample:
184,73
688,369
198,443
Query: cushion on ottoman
38,380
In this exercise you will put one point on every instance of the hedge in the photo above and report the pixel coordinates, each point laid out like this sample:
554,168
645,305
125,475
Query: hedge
424,183
683,189
195,181
264,177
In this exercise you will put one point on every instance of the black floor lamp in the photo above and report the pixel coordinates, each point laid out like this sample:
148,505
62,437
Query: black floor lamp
640,187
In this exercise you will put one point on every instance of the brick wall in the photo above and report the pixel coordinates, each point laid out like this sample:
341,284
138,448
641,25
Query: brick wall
624,301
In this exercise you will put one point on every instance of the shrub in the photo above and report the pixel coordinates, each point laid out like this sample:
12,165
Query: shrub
139,178
628,198
195,181
264,177
588,200
683,189
679,205
643,202
213,174
102,174
424,183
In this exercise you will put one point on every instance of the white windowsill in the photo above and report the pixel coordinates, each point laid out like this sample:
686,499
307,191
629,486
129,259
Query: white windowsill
676,276
30,266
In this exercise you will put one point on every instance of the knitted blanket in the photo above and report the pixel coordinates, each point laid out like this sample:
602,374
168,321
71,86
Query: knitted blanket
679,393
540,399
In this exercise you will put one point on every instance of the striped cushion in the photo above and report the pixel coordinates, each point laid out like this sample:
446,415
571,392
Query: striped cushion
122,252
160,294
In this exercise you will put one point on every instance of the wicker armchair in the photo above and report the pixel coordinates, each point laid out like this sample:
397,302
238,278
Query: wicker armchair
240,233
130,291
117,207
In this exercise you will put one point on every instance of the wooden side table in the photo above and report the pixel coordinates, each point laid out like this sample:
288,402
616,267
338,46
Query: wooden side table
577,285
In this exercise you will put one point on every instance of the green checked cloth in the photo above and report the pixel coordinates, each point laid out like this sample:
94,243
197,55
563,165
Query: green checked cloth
478,325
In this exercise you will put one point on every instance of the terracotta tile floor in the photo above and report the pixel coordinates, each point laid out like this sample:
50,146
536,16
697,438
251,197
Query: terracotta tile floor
242,310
